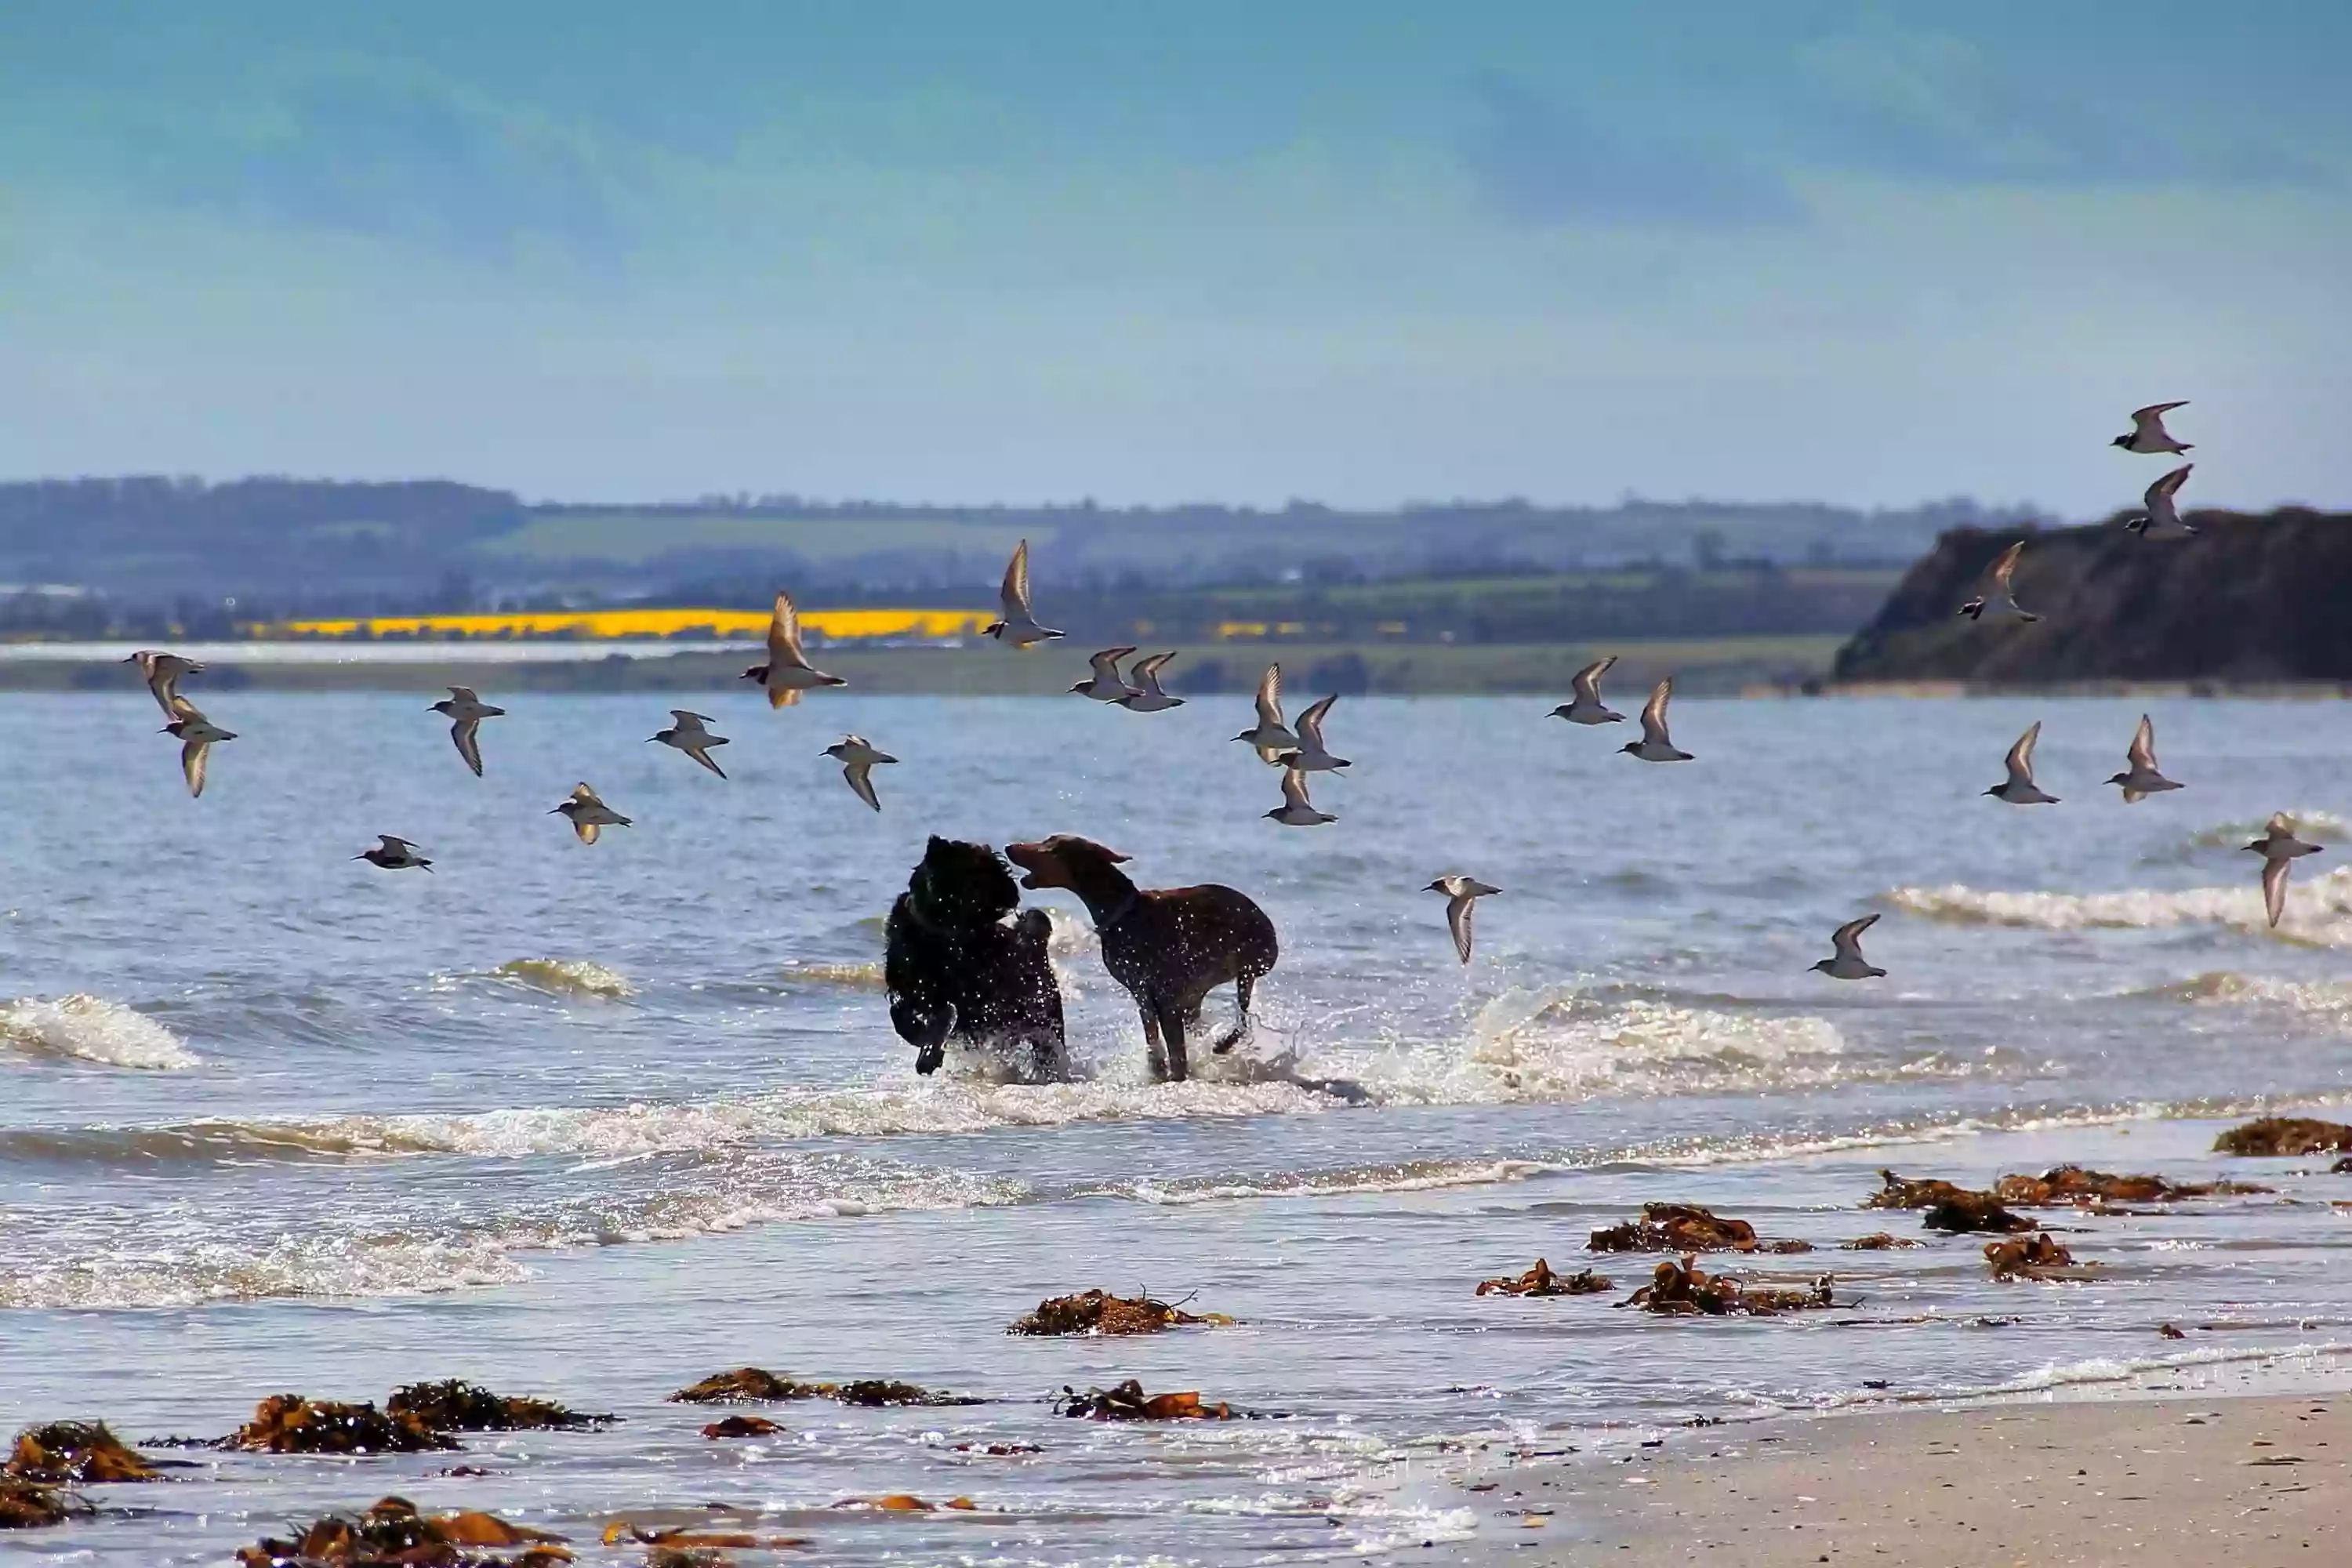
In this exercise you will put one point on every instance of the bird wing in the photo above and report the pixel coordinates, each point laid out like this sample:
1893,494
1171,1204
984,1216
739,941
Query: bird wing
191,764
2168,485
1014,594
1106,664
2020,756
861,781
465,696
2143,746
702,756
467,733
162,679
783,696
687,720
2274,874
1269,697
1847,938
393,843
1458,914
1310,723
1586,684
2006,564
183,710
587,831
2279,825
1653,713
1294,789
1146,672
784,636
2152,417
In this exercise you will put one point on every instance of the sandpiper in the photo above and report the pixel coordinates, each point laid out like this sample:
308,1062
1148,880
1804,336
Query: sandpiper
2147,433
1461,894
1849,964
2002,569
395,853
1106,684
2019,788
2163,513
1147,697
686,734
1018,626
197,736
1297,810
2279,848
1312,756
466,713
1270,735
589,815
2141,779
163,672
858,759
1585,706
787,672
1655,746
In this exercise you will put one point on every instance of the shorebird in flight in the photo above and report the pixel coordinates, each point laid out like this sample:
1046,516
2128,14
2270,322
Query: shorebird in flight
590,815
395,853
1655,746
686,734
2279,848
197,736
1585,706
2163,513
2147,433
1017,627
162,672
1147,697
858,759
1106,684
1848,962
1297,810
1312,755
2000,590
2141,779
787,672
1270,735
2019,788
1461,894
466,713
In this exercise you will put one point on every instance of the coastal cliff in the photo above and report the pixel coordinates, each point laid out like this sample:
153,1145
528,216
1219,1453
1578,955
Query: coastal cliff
2248,599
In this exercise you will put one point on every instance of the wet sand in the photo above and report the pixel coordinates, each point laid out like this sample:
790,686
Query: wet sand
2249,1482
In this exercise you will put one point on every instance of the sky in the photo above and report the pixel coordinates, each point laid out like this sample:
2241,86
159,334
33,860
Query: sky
1357,251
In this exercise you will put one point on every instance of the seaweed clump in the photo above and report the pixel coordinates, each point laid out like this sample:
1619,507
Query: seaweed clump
1127,1401
64,1451
2273,1135
28,1505
1098,1312
2035,1257
459,1406
289,1424
1949,1207
1879,1241
392,1534
755,1386
1685,1227
1541,1281
1682,1289
2077,1184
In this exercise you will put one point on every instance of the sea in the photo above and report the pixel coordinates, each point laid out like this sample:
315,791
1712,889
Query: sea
591,1123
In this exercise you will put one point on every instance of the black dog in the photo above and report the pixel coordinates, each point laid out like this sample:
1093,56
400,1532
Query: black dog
958,966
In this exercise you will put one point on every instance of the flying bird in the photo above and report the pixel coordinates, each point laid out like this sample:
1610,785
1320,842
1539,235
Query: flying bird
2279,848
1999,577
466,713
2141,779
1018,626
2019,788
589,815
1585,706
1147,697
2147,433
197,736
1106,684
1312,756
2162,511
1461,894
1655,746
1848,964
858,759
162,672
395,854
1297,810
1270,735
686,734
787,672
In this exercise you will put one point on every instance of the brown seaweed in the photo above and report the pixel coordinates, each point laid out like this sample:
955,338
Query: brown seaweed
1682,1288
1541,1281
28,1505
1127,1401
1879,1241
394,1535
754,1385
740,1426
2078,1186
459,1406
64,1451
2035,1257
1685,1227
289,1424
1098,1312
2276,1135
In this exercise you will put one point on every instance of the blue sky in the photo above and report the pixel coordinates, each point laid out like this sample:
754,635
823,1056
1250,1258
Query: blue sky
1360,252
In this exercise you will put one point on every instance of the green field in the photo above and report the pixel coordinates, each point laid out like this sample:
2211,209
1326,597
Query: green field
633,538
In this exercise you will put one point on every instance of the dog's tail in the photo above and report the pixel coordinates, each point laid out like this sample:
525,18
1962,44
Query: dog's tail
1240,1031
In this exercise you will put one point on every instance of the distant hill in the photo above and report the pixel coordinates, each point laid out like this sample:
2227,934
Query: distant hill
2250,598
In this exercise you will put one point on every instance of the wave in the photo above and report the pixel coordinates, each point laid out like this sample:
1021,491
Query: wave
849,976
567,977
2316,827
93,1029
2326,999
2318,910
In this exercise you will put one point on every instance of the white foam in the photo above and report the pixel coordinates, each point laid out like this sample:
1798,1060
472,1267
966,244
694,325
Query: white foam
2318,911
568,977
93,1029
2329,999
2314,826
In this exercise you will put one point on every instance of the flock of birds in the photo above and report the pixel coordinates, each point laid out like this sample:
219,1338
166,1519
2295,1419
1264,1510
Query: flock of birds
1297,747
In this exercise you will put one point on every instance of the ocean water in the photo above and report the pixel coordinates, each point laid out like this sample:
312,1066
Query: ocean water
592,1122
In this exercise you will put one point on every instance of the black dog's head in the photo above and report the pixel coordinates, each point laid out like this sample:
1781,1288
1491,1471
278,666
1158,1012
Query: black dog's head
962,884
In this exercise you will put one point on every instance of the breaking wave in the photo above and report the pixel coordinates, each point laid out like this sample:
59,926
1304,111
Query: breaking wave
2315,826
2318,909
93,1029
2326,999
848,976
567,977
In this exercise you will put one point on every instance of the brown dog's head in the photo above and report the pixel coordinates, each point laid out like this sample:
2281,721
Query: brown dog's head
1060,861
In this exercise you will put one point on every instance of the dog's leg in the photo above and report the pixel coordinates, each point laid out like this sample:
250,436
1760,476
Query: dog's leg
1172,1029
1155,1055
1240,1031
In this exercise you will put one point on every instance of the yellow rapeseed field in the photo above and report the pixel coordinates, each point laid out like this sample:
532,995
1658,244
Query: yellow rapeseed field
751,625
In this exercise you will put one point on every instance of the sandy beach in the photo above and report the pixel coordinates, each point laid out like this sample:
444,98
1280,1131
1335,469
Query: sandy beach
2251,1482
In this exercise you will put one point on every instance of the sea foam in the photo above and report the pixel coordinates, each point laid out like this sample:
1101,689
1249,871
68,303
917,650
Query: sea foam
93,1029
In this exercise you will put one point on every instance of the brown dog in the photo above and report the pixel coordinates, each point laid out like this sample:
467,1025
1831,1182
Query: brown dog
1169,946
